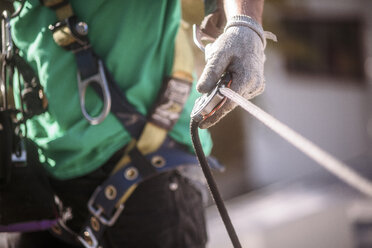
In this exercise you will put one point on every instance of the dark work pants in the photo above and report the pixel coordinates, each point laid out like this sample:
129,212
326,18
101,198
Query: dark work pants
164,211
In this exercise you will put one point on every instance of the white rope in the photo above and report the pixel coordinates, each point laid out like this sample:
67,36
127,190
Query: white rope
326,160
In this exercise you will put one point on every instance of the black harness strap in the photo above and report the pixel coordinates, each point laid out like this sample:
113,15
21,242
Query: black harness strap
33,95
6,144
144,166
129,117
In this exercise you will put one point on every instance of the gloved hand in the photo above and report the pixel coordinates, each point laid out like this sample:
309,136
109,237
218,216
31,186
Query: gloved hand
239,50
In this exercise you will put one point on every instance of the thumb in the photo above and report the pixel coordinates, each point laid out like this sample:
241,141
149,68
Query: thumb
215,67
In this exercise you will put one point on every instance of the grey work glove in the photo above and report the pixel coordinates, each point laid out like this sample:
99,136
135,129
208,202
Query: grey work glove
239,50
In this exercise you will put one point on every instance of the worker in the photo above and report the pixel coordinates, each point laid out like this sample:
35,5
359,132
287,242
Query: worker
80,144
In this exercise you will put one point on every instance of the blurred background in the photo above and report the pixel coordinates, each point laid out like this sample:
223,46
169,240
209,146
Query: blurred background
318,82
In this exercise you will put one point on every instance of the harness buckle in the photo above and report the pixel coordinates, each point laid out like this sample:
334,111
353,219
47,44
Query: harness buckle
97,212
101,80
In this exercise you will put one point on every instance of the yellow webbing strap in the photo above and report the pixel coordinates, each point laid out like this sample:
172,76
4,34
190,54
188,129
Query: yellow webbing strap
183,63
64,12
62,8
52,3
62,35
153,136
126,195
192,11
151,139
10,98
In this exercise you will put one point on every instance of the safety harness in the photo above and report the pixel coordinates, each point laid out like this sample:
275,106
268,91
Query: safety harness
151,150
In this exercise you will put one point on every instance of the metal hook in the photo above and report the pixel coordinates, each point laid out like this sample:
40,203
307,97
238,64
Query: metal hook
199,36
101,80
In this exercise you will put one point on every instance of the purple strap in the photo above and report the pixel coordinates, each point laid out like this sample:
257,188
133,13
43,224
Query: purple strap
29,226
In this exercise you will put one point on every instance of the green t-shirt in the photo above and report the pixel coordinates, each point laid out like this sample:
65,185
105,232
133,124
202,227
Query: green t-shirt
135,40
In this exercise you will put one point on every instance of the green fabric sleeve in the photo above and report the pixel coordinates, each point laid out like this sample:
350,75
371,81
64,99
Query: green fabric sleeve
135,40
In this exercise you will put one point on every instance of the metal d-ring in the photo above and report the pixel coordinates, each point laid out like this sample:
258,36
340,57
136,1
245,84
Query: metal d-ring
101,80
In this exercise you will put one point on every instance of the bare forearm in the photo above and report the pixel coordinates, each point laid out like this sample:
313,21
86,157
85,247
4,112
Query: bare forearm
252,8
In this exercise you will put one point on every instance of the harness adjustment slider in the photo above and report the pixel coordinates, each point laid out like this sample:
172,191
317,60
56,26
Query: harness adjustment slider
98,211
70,33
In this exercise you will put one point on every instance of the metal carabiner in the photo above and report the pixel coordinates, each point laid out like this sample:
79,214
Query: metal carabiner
207,104
199,36
7,43
101,80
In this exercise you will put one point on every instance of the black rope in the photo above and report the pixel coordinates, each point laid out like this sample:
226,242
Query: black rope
212,184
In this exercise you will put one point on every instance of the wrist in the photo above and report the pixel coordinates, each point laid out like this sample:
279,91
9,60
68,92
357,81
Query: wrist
246,21
249,22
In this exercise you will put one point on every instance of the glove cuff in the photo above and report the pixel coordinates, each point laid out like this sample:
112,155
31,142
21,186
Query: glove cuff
247,21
